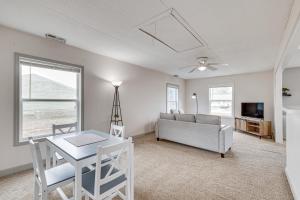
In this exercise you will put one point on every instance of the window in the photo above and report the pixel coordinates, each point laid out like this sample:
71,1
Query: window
172,97
220,100
47,92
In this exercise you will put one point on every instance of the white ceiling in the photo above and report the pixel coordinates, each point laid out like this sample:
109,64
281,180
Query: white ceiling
245,34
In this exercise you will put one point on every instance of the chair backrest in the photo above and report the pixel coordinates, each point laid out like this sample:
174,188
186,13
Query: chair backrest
119,163
64,128
39,171
117,131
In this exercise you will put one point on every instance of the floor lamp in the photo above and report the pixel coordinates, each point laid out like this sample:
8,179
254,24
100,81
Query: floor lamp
194,96
116,114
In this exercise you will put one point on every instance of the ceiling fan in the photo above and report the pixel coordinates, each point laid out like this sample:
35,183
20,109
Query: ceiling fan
203,65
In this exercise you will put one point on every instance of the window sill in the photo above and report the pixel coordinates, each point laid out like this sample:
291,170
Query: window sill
25,142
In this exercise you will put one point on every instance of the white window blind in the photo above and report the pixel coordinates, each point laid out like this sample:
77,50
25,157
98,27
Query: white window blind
172,97
220,100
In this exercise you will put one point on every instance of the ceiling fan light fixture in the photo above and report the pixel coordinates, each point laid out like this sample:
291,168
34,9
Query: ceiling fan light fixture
202,68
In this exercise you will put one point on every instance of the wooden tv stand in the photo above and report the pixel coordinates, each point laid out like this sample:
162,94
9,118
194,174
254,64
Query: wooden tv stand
254,126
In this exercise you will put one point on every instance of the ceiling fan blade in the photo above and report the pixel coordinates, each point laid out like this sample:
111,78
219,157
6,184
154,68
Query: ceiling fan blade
193,70
212,68
217,64
189,66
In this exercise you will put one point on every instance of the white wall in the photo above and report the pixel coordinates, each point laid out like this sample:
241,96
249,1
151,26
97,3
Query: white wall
142,93
292,151
254,87
278,116
287,44
291,80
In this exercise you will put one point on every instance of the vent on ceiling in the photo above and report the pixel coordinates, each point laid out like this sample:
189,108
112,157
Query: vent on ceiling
56,38
173,31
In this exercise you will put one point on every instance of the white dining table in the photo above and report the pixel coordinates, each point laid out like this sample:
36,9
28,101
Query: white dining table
83,156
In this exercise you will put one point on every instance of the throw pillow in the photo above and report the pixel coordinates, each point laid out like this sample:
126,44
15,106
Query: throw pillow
172,111
167,116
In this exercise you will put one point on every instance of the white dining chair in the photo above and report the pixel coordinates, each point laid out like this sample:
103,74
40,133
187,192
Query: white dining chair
108,178
117,131
62,129
51,179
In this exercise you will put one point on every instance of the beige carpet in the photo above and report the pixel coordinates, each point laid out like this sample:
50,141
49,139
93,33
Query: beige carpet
253,169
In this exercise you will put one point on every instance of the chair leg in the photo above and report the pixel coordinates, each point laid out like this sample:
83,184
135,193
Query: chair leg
73,189
127,192
54,160
44,195
36,190
222,155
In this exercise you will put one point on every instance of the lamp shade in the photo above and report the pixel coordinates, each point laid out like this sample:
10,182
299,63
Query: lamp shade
116,83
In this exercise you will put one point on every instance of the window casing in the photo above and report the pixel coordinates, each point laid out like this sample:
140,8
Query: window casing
221,101
172,97
46,92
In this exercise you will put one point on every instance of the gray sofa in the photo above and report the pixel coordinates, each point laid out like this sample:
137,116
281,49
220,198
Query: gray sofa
202,131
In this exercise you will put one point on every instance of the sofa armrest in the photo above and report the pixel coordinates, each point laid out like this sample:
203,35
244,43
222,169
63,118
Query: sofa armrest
225,139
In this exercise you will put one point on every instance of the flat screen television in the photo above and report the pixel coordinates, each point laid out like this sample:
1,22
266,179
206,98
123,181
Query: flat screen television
255,110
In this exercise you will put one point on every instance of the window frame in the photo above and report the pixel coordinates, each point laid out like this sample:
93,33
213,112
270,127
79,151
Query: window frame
18,99
232,100
171,85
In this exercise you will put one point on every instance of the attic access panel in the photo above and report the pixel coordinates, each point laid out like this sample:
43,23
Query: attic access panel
172,30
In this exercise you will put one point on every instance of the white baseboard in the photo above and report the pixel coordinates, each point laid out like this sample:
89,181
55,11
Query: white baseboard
142,134
14,170
293,189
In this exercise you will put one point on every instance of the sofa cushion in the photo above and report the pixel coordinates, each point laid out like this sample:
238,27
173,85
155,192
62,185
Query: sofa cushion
208,119
185,117
167,116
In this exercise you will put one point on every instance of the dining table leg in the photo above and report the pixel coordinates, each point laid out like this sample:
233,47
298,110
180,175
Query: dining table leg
48,156
78,180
